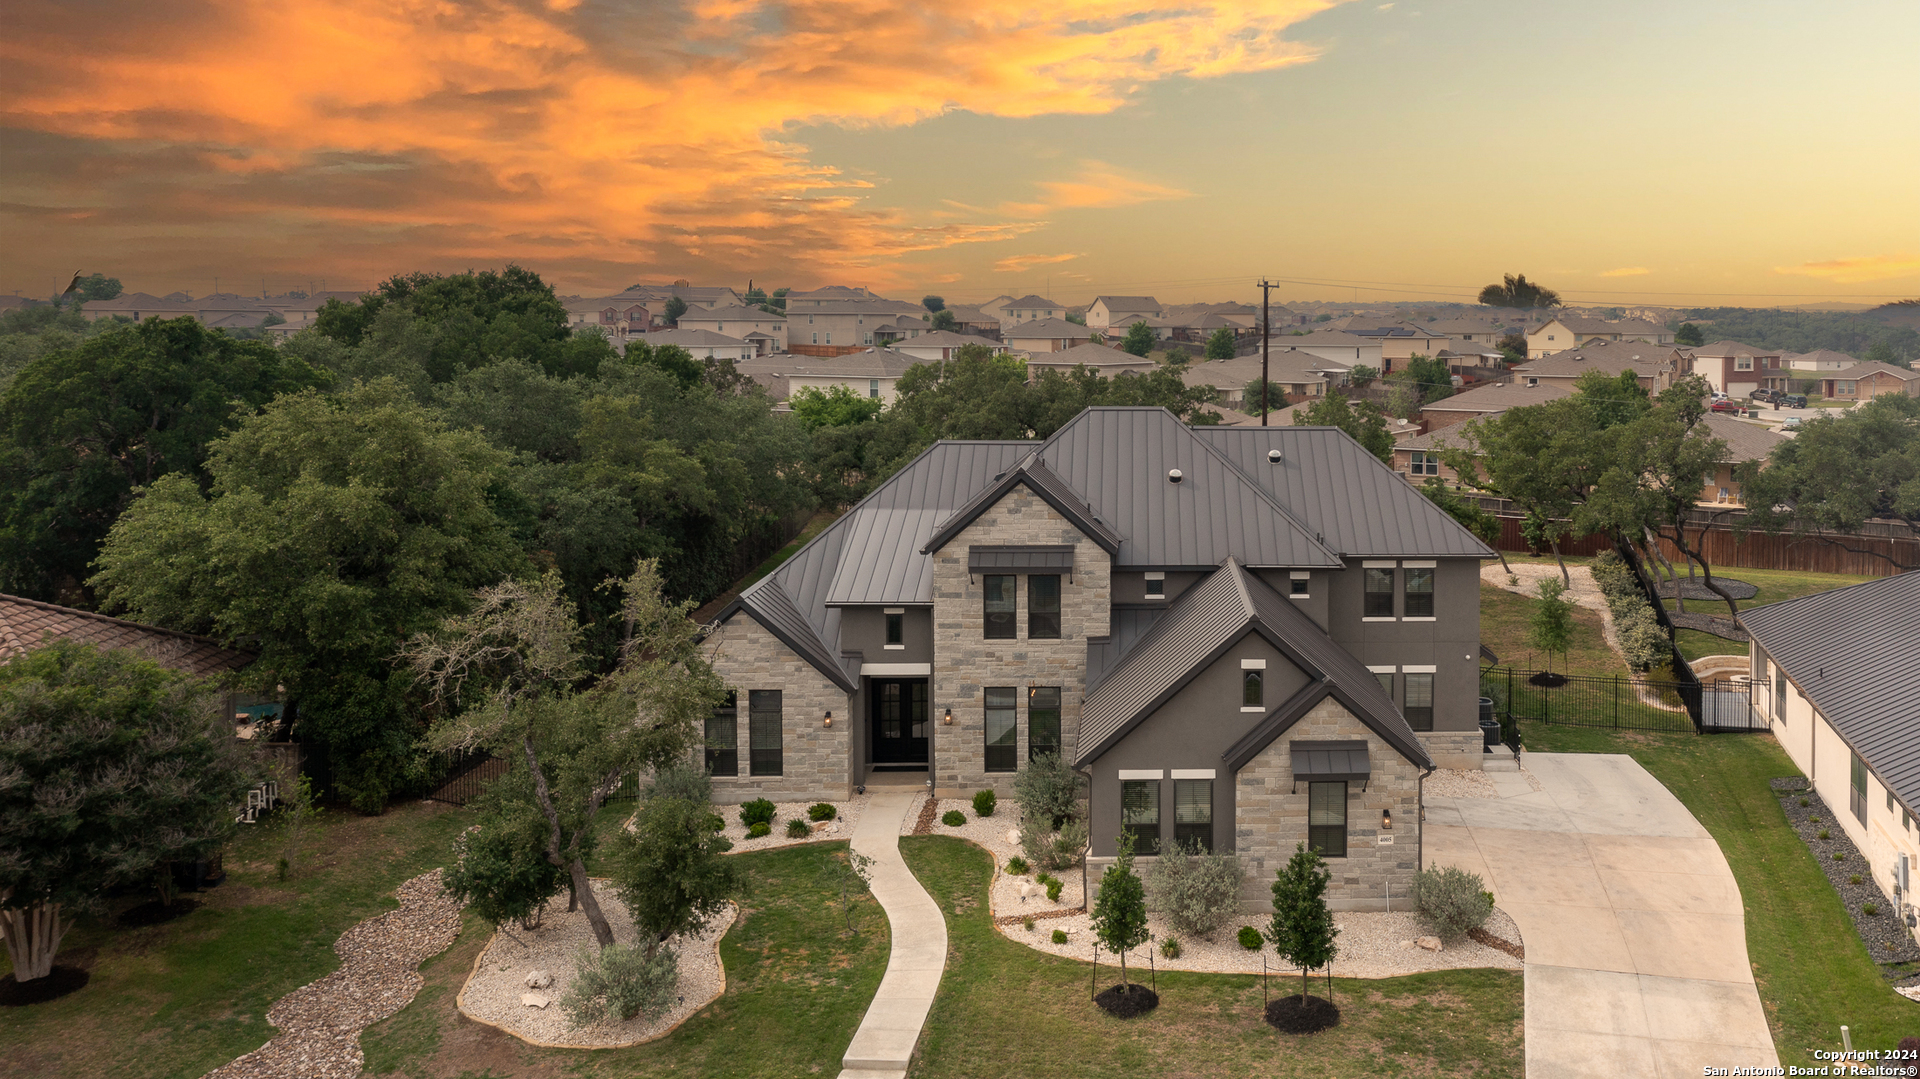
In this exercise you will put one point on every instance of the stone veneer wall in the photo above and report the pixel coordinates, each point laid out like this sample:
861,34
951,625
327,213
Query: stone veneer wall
1465,750
816,760
965,662
1270,819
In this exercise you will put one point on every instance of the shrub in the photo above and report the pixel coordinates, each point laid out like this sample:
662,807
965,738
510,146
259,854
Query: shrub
1855,879
758,811
798,829
1170,947
1642,639
1196,890
1059,936
620,982
1824,834
1018,866
1049,791
758,829
822,811
1027,924
1249,938
1054,886
1452,901
1839,856
683,782
1053,850
1869,909
1804,803
983,803
953,818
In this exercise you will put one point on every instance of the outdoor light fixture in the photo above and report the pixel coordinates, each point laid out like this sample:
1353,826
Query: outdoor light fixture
1386,820
829,720
948,719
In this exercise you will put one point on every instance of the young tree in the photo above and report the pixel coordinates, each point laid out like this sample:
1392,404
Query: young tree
674,309
1140,339
1302,928
1550,625
1257,394
1120,914
98,287
1364,422
500,868
1544,459
845,877
1513,346
836,406
112,767
1687,335
1221,344
297,812
671,874
933,303
1517,291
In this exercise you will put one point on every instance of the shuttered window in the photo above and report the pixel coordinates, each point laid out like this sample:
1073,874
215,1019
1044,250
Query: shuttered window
723,738
1327,818
1193,812
1140,813
1003,744
763,732
1043,720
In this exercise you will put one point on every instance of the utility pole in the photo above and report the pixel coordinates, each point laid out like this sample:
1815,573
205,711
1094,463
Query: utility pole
1266,337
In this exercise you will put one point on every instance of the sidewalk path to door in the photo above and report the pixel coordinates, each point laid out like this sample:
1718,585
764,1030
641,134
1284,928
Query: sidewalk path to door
884,1043
1633,924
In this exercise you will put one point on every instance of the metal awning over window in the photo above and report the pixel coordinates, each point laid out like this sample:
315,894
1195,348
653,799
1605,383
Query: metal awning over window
1020,560
1330,761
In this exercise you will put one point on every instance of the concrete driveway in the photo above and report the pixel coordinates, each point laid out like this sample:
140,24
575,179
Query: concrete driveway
1633,925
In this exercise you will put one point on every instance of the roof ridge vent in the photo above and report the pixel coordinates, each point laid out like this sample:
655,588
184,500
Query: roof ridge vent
1273,456
1174,475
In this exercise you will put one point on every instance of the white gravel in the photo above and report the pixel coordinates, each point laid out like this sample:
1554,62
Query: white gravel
1456,783
492,993
320,1023
840,827
1371,945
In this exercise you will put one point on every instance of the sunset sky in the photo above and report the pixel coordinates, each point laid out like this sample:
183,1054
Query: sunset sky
1624,151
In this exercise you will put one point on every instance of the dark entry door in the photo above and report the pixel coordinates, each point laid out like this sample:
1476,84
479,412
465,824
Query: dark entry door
900,721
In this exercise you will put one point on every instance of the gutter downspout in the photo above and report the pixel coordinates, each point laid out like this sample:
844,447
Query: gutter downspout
1420,845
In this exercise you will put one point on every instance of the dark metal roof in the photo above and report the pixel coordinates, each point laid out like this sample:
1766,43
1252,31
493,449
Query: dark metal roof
1128,624
985,559
1041,480
1197,629
775,610
1359,506
1855,653
1118,459
1330,760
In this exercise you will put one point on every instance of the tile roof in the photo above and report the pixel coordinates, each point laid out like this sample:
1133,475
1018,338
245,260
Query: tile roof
1851,651
25,623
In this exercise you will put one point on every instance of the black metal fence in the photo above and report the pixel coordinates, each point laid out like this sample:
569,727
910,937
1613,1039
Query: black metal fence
1621,702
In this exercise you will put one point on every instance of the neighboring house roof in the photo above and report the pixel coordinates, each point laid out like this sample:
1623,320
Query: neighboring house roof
968,315
1501,396
686,338
732,313
1720,350
872,363
25,624
1325,337
1031,300
1818,356
1745,441
1399,330
1584,324
870,308
1129,303
1454,327
1612,357
140,302
1284,365
1091,355
947,339
1046,328
235,320
1873,367
1851,652
1198,628
1469,351
1440,437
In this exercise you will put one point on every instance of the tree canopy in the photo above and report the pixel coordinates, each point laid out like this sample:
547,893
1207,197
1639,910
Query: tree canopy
836,406
1840,472
97,287
1221,344
1139,340
1687,335
1364,421
933,303
945,320
1514,290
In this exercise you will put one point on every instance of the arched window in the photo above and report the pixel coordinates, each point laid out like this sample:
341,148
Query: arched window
1251,690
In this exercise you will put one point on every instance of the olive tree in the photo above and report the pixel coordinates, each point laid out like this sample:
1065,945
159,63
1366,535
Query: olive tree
112,768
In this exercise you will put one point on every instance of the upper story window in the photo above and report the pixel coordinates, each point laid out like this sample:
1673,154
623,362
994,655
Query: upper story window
1000,597
1252,689
1379,594
1419,705
1743,363
1419,583
896,628
873,387
1298,584
1156,585
1043,607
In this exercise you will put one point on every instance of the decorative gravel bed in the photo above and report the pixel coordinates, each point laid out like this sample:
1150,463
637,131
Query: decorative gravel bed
1888,940
320,1023
840,827
1372,945
493,993
1456,783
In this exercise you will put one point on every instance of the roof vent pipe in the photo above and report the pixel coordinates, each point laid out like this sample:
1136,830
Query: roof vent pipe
1173,475
1273,456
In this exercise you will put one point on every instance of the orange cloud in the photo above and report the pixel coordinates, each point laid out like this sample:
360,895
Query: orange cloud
1626,271
560,132
1016,263
1847,271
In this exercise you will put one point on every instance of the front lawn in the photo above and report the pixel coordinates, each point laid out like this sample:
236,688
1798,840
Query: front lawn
1007,1010
1813,971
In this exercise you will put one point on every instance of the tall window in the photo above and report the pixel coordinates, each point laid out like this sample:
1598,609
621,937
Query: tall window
896,629
1043,720
763,732
1779,692
1419,704
1043,607
1327,818
1000,614
1252,691
1379,594
1193,812
1857,795
1419,593
873,387
1140,813
723,738
1003,738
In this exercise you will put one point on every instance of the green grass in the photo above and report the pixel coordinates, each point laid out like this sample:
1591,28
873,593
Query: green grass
1775,585
820,521
1503,628
1008,1010
1812,969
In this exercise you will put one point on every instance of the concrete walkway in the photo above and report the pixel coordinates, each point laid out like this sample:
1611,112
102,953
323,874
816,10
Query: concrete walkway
1633,924
884,1043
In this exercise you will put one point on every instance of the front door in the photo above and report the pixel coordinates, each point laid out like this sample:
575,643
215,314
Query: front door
900,721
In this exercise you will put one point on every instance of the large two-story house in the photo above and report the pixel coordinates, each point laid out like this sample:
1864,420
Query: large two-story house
1247,638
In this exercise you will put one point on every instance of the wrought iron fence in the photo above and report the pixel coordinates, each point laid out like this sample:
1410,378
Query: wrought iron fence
1621,702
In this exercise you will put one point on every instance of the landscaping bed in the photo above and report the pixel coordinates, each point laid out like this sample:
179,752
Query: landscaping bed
846,816
1887,938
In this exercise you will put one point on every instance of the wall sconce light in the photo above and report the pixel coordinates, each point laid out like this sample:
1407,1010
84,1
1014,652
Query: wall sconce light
829,720
948,718
1386,820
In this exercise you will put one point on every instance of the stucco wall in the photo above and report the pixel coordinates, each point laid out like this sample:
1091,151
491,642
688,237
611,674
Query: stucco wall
967,662
1450,643
817,761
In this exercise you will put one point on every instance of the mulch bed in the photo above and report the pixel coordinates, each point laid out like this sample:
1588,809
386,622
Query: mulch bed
1887,938
929,813
1295,1015
1125,1002
1706,623
1695,588
154,912
1481,936
58,983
